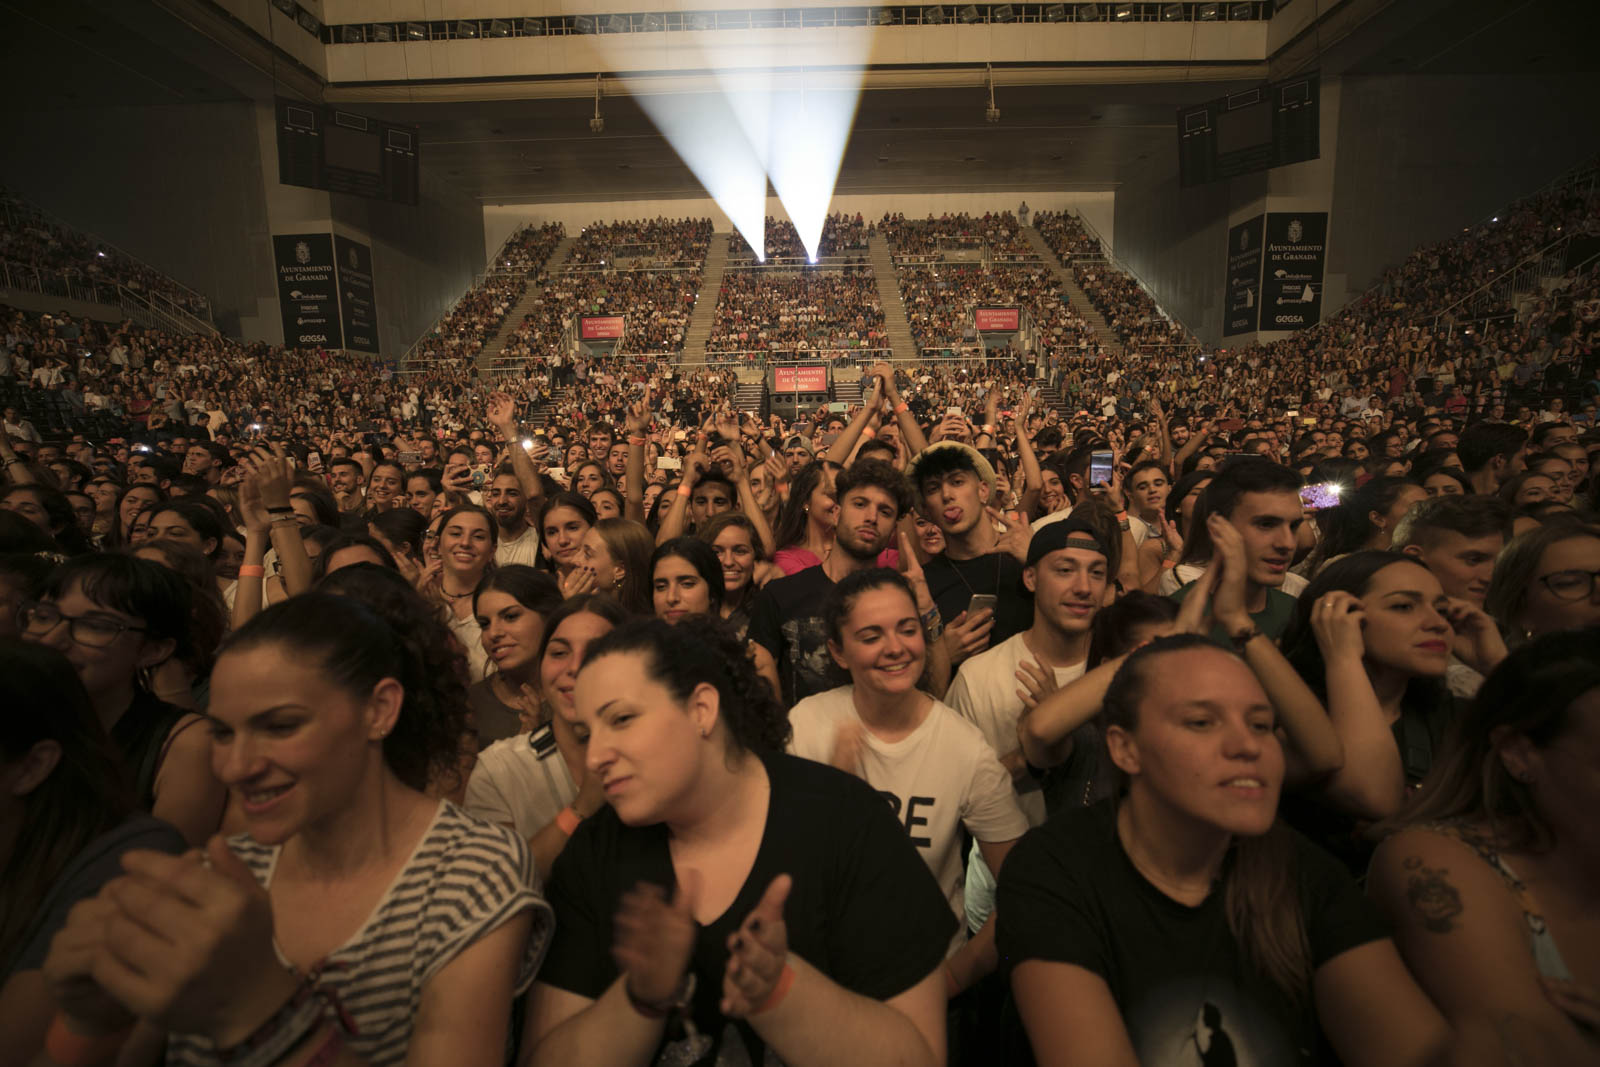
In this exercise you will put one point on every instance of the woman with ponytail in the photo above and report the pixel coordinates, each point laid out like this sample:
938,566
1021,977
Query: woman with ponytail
358,920
1180,912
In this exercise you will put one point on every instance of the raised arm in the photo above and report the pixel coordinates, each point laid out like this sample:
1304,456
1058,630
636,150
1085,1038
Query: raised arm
503,417
840,451
1372,782
676,518
910,432
638,425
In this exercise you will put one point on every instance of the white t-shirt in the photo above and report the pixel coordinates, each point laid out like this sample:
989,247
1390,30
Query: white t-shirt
985,692
1175,578
517,785
522,549
942,777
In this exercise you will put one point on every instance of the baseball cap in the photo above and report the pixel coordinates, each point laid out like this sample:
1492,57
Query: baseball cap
1071,532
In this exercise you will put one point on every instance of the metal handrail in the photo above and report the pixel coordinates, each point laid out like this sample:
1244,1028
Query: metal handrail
1504,277
12,202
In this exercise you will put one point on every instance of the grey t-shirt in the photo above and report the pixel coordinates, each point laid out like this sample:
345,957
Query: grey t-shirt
98,863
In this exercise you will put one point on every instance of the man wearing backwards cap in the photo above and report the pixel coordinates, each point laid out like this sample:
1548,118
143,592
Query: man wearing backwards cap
1069,563
953,484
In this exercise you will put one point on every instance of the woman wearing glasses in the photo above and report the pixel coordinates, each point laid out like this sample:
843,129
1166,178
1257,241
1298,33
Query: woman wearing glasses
116,619
1544,581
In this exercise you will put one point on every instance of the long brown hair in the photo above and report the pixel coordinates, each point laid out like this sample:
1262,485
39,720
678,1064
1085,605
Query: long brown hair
1529,694
1261,881
85,795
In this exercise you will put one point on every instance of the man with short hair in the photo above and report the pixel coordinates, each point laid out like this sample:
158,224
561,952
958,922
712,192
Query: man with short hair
1458,539
786,619
347,477
953,483
1260,500
518,541
1491,454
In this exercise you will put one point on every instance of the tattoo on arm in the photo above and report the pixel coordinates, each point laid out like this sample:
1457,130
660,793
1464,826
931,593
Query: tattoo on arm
1431,895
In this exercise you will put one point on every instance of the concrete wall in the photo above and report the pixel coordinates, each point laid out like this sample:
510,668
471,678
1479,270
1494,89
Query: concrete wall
193,191
179,187
499,220
1421,157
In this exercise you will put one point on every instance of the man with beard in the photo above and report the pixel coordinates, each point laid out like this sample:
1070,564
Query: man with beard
787,617
519,542
953,483
515,489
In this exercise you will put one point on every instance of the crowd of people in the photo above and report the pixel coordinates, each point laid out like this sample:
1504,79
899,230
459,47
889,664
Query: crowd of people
842,235
530,247
1127,308
656,242
996,233
763,310
941,299
1238,711
33,241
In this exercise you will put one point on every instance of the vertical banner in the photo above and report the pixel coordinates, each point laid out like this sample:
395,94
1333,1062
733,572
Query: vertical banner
358,312
1242,297
308,295
1296,256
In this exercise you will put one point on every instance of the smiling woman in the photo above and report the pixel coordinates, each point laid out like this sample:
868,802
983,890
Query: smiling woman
325,729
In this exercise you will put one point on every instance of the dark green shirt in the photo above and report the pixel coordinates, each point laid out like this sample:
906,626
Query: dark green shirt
1272,620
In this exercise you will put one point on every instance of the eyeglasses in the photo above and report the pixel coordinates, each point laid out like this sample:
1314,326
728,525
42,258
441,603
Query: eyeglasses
91,631
1570,585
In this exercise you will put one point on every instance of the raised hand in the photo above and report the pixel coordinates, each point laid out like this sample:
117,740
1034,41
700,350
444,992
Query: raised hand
1037,683
1230,601
637,419
757,953
1478,643
1336,621
1014,536
653,941
502,414
965,636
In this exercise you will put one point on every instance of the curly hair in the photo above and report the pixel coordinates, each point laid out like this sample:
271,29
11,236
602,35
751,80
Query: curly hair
365,623
703,650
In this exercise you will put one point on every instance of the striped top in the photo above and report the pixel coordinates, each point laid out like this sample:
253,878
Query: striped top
465,878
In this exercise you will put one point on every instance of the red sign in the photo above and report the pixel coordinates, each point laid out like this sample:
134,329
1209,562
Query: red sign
800,380
599,327
998,320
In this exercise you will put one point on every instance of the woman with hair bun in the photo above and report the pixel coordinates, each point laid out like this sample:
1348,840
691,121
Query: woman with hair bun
732,904
356,912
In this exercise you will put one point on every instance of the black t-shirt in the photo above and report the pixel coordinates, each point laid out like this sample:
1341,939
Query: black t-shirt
787,621
952,583
1069,894
864,909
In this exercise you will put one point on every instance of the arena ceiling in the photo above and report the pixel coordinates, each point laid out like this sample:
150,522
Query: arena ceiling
1057,133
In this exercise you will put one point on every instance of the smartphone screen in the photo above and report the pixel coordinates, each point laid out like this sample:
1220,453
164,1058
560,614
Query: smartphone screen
1321,496
1100,467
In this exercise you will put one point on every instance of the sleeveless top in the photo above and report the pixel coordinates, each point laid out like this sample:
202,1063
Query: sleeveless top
1546,956
465,879
141,736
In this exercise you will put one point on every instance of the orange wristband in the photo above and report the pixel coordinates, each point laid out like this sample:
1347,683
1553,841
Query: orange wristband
568,819
684,491
902,406
640,441
868,432
68,1048
779,991
252,570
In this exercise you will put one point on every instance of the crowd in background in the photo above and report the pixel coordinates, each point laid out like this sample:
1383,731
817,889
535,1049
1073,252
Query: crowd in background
765,310
1076,706
842,235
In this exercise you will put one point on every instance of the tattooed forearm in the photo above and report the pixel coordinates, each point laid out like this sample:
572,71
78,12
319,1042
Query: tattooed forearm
1431,895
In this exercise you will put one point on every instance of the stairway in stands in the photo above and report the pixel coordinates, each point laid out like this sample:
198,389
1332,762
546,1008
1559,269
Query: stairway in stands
751,396
1077,299
542,415
496,344
894,309
705,305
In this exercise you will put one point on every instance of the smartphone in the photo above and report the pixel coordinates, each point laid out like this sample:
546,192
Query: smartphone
669,463
314,461
1321,496
480,475
558,473
409,457
982,602
1100,470
955,413
838,406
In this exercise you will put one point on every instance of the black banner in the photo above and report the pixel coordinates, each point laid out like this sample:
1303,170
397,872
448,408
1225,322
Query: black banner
307,290
1241,299
1296,255
358,312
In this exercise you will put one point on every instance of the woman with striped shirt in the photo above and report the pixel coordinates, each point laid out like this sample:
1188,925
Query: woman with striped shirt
358,921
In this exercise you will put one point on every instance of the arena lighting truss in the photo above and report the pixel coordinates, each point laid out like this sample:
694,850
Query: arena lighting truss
771,116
